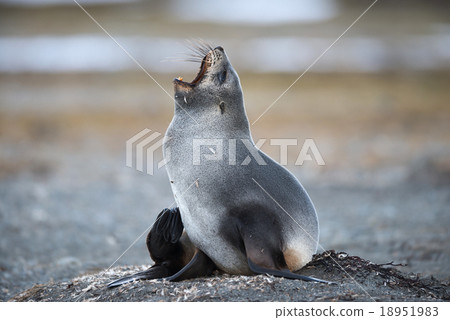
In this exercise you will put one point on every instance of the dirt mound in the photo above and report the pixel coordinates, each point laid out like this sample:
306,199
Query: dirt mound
356,280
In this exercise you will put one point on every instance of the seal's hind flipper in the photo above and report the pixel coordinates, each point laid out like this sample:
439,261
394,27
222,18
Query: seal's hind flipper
265,257
154,272
200,265
286,273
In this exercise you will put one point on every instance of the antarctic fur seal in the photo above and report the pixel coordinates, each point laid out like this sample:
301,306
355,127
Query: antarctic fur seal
245,214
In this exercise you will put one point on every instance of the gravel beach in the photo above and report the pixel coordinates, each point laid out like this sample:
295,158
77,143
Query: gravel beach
70,208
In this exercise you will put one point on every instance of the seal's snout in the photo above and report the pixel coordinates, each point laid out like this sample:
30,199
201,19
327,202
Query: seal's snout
206,63
180,85
209,57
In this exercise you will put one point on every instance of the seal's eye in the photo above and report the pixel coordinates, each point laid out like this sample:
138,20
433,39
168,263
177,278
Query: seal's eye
222,76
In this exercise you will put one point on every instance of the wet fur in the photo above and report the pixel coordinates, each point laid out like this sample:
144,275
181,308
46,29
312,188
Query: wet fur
229,222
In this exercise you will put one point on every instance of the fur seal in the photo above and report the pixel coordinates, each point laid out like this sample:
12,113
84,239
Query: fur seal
243,216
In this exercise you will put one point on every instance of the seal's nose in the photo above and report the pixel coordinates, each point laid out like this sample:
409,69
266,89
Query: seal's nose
219,48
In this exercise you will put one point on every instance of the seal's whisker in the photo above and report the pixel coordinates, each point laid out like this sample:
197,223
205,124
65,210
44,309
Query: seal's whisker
192,60
184,57
193,46
198,44
194,55
199,47
205,45
196,50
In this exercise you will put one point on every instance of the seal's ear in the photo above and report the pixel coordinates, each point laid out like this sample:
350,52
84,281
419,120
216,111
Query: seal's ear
222,76
222,107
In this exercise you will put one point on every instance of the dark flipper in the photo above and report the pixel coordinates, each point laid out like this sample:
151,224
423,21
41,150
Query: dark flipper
168,225
155,272
264,256
200,265
163,240
286,273
165,248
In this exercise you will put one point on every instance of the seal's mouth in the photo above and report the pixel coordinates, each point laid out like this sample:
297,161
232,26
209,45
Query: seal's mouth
205,65
207,55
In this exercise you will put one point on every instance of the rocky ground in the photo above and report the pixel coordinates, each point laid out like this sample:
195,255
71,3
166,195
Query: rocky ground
69,207
355,279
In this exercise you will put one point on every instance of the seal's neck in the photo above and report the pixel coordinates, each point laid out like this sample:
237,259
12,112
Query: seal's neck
228,121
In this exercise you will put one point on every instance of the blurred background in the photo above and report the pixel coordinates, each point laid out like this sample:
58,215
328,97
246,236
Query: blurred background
376,105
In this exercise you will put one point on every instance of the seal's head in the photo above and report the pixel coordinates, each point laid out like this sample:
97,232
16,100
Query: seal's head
216,83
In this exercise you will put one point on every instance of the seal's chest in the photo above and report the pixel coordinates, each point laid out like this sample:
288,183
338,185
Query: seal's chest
203,229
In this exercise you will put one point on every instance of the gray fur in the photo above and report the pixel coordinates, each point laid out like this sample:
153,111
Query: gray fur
219,112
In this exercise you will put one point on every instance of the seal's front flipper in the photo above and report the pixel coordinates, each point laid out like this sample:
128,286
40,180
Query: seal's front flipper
163,238
168,248
200,265
168,225
154,272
